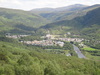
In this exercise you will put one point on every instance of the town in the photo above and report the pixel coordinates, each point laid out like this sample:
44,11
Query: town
15,36
44,43
50,40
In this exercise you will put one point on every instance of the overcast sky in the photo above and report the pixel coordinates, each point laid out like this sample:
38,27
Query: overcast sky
31,4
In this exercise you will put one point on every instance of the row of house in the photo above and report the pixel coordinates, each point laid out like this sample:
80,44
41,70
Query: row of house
70,39
44,43
16,36
49,36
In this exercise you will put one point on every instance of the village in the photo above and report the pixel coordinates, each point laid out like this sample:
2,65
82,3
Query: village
44,43
15,36
49,36
50,40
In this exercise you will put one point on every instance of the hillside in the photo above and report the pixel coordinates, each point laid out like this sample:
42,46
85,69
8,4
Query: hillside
59,9
77,24
18,21
64,13
56,14
18,59
11,20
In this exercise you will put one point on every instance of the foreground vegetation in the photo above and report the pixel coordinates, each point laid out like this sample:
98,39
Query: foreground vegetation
18,59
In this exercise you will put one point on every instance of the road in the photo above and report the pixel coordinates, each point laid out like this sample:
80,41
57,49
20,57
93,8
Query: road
79,53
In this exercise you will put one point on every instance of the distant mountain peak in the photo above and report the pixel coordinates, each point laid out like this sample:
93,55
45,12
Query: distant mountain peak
78,5
96,5
70,7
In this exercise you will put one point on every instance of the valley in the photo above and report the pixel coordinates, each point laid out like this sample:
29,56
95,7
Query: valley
50,41
57,44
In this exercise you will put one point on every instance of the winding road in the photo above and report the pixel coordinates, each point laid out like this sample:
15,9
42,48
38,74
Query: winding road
79,53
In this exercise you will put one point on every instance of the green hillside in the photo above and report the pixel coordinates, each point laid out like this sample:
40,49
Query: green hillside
76,24
65,13
61,13
18,20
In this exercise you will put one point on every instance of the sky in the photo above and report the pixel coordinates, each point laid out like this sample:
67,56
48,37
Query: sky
32,4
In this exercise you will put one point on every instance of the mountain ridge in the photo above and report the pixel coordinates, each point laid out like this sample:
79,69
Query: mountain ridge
66,13
10,18
91,19
59,8
17,20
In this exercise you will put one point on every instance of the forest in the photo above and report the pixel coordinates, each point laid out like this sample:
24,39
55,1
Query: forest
19,59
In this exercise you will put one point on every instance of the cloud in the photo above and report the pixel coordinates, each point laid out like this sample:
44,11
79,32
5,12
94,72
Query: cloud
10,2
30,4
1,1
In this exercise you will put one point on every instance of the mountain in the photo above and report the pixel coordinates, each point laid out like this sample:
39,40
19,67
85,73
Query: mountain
56,14
11,19
42,10
18,21
71,7
67,8
91,19
92,7
66,13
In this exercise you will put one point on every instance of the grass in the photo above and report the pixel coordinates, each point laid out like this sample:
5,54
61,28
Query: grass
88,49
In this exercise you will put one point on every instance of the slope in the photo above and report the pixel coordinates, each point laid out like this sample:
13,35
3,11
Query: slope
16,19
65,13
18,59
56,14
75,25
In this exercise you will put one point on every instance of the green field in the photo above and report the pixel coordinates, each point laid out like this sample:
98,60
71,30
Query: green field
88,49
